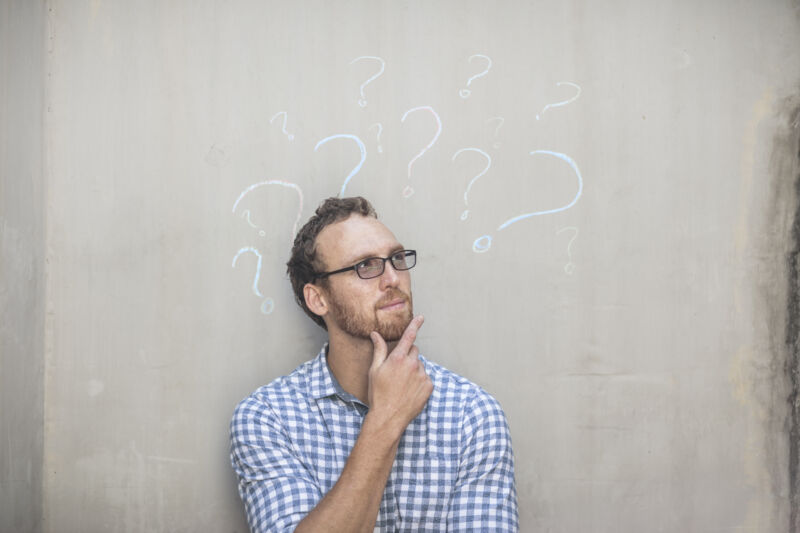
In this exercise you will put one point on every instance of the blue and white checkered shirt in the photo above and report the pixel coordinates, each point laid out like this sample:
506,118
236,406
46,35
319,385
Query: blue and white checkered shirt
454,468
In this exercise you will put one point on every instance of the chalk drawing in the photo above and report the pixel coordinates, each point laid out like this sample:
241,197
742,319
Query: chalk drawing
378,137
569,268
563,103
497,129
268,305
483,243
363,100
282,183
246,216
290,136
465,214
408,191
464,93
355,170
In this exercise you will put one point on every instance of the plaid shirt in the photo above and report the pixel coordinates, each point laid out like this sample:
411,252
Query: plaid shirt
454,468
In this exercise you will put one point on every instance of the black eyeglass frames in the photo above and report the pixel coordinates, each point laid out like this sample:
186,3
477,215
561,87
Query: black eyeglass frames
372,267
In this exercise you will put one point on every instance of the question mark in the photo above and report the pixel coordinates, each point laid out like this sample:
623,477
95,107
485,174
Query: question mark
408,191
569,268
502,121
565,102
360,163
363,100
246,216
378,137
483,243
289,135
464,93
268,305
465,214
282,183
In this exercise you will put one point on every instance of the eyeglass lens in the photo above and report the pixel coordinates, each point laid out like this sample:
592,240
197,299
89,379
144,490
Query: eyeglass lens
373,267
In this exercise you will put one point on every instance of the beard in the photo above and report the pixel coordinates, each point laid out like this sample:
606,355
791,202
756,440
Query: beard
360,322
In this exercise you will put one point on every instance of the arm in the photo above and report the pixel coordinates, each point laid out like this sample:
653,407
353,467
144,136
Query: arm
485,496
280,493
398,390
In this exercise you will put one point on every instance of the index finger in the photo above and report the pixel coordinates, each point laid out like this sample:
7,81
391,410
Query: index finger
409,335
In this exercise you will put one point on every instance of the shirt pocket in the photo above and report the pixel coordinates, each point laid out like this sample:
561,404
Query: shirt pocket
422,491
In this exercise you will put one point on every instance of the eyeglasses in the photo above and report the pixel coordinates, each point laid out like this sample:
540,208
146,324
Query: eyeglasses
372,267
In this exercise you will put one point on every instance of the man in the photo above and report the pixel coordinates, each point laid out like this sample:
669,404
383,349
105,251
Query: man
369,435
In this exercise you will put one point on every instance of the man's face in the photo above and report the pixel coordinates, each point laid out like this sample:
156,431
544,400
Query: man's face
361,306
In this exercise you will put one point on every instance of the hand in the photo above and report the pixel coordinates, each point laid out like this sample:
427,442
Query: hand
398,384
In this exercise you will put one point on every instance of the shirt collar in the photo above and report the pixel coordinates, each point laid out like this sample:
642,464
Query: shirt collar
321,382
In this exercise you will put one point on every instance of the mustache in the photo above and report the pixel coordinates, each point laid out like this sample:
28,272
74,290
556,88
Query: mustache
393,295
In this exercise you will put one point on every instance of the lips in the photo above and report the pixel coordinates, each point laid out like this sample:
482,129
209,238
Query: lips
393,302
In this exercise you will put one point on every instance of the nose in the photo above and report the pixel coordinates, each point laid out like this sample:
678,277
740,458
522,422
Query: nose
390,276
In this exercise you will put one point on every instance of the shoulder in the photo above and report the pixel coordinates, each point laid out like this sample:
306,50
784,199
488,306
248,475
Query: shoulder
281,395
451,388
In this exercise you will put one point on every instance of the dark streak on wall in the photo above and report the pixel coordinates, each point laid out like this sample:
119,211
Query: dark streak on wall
793,324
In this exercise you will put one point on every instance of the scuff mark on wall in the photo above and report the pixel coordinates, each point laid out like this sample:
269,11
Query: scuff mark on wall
791,167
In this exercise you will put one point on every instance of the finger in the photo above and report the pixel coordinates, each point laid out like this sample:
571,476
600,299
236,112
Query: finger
378,349
409,335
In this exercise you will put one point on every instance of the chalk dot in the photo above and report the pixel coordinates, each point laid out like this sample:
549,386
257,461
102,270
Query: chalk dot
465,214
268,306
362,102
537,117
482,244
408,191
291,136
569,268
464,93
262,233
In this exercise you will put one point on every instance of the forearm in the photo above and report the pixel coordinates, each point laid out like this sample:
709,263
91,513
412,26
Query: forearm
353,503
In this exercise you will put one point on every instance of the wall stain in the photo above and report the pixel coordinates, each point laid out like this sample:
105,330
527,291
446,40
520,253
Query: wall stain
788,142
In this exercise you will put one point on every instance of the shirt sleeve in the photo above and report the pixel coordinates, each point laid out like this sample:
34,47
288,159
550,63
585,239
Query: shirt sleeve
277,489
485,495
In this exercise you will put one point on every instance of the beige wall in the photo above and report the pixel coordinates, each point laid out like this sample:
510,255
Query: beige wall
22,264
634,334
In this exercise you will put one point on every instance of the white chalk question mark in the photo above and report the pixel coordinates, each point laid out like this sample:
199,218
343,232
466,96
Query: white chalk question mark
569,268
408,191
268,305
282,183
497,129
355,170
363,100
464,93
378,137
290,136
246,216
565,102
483,243
465,214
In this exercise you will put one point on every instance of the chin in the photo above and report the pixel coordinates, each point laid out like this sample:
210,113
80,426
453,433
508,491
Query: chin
392,330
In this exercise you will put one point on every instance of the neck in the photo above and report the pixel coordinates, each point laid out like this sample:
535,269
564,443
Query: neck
350,358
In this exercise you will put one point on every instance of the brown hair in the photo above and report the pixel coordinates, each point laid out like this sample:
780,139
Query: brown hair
304,265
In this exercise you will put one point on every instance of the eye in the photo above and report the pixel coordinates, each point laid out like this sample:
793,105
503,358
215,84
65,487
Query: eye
373,264
399,258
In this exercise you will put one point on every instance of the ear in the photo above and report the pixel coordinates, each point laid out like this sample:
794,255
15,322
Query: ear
315,299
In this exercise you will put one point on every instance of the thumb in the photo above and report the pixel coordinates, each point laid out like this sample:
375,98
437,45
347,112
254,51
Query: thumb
379,349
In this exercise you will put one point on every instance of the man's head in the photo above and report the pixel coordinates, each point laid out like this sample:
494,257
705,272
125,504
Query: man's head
342,233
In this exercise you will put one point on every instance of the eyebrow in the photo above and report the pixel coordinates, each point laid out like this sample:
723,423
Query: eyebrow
394,250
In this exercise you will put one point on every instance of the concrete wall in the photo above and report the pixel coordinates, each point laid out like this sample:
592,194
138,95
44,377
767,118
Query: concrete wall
22,263
637,327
